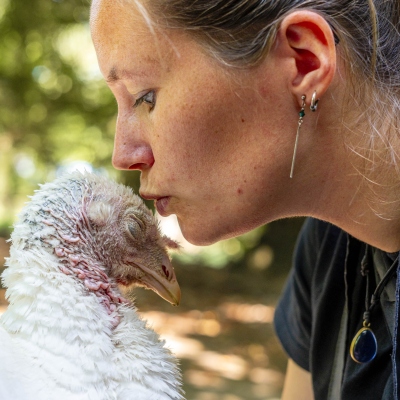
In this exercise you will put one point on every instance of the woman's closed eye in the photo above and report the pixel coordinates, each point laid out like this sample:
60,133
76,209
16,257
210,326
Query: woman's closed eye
148,98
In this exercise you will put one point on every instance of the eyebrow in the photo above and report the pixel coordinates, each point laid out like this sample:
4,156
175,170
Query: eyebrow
112,75
115,75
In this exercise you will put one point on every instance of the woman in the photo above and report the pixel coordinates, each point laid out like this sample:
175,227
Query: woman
240,112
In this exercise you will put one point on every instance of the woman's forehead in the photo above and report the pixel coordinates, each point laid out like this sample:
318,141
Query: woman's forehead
122,18
123,36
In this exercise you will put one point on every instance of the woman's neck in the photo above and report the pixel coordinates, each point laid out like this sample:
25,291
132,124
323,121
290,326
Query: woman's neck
354,188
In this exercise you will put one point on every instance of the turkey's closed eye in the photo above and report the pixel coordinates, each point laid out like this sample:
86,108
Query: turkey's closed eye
134,228
135,225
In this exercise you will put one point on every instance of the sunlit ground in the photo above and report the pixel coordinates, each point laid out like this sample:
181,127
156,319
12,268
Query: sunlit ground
231,373
226,345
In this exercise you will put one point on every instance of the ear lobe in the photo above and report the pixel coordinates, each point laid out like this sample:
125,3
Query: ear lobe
309,40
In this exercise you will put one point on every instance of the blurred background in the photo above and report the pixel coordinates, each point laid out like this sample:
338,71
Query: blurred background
56,114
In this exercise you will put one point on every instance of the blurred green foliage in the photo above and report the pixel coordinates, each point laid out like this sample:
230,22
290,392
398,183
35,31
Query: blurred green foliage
54,105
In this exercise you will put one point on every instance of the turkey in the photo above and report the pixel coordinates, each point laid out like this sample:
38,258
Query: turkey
70,333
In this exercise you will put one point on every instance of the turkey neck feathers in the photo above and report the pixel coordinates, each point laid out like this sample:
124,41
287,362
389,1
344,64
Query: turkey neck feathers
67,319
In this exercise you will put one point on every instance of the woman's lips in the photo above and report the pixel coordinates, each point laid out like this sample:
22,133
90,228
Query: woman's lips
161,205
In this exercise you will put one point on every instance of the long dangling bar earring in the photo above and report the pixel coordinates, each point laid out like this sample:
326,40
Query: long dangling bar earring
301,116
314,102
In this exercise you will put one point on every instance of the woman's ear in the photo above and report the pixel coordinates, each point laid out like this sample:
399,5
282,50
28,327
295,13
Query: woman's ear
307,40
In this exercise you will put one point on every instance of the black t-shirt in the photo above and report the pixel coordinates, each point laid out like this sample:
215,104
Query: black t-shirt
308,318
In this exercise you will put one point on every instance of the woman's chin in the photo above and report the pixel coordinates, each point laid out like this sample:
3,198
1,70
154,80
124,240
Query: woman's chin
196,234
204,234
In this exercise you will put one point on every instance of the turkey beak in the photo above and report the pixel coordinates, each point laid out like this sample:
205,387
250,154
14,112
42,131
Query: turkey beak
164,284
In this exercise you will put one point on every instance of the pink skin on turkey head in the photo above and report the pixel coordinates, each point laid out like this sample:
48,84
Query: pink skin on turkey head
104,235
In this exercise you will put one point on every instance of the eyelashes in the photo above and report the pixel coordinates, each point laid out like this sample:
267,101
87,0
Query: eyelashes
149,98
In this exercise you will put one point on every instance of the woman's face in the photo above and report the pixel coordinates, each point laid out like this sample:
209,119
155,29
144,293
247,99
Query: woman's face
208,142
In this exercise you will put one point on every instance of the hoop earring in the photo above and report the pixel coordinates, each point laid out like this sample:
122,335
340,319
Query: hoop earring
314,102
301,116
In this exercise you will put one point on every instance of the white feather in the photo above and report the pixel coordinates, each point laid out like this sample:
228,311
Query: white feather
58,341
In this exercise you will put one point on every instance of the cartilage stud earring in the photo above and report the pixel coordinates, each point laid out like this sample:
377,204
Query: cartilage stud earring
314,102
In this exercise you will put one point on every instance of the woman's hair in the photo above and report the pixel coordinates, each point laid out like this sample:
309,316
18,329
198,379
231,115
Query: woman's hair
240,32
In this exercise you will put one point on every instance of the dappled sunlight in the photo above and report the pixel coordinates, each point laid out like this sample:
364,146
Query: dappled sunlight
185,335
183,347
208,322
226,365
183,324
248,313
201,379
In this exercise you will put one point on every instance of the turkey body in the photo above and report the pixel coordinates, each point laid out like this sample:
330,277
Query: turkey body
68,332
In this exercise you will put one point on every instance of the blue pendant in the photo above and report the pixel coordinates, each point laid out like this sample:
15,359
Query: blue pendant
364,346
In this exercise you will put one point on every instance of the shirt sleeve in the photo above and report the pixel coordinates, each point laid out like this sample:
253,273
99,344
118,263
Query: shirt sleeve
293,315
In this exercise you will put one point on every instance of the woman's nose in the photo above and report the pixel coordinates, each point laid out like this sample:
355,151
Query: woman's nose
131,151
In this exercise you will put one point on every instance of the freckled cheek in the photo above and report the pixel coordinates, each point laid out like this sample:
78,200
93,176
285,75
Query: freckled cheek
188,143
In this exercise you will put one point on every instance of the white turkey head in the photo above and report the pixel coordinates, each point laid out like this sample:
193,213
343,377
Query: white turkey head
102,233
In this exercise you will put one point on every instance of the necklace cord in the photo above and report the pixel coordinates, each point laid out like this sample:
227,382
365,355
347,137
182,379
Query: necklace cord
365,273
381,285
379,288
